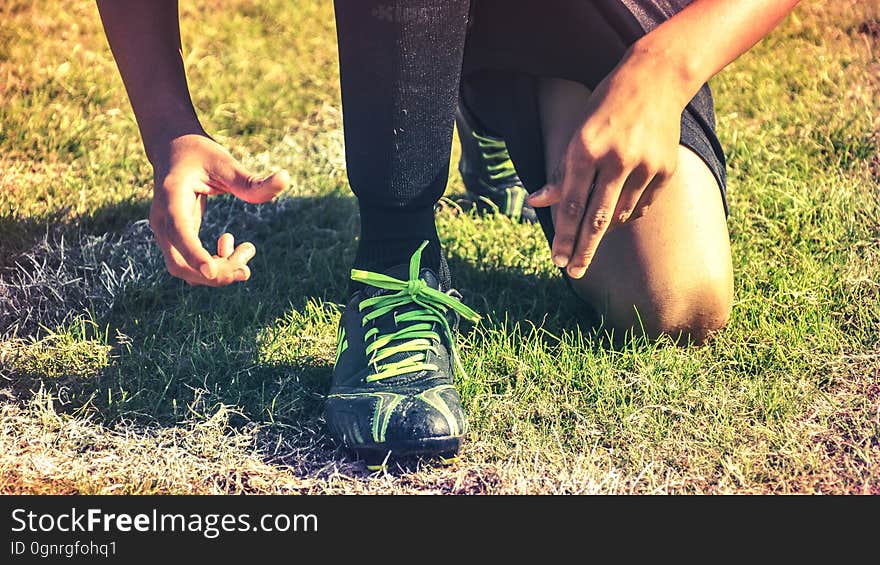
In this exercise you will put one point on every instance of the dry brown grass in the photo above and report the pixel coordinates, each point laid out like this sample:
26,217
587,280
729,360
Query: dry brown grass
788,401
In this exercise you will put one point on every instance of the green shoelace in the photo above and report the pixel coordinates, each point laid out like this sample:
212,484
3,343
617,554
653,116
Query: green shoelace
496,149
418,335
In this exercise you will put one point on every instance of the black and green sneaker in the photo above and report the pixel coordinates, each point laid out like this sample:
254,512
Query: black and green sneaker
392,394
487,171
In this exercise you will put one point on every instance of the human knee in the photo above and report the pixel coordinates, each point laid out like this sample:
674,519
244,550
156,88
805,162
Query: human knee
689,313
696,315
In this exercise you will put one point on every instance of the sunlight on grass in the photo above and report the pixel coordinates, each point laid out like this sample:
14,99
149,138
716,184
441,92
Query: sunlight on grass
68,352
117,378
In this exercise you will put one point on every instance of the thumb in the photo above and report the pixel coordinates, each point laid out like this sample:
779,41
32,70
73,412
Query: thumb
254,190
548,195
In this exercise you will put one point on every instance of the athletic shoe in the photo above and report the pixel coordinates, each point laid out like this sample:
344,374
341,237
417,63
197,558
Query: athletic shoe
392,394
489,177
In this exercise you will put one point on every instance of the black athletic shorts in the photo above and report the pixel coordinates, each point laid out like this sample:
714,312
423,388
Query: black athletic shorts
512,43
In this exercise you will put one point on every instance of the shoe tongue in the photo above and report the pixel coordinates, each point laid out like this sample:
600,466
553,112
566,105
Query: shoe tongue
401,272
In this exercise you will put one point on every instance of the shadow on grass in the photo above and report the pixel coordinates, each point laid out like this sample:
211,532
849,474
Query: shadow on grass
265,347
18,234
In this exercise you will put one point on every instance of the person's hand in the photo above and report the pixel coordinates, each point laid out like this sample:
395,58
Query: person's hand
191,168
624,151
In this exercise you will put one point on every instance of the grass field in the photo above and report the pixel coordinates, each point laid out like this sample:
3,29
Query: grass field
117,378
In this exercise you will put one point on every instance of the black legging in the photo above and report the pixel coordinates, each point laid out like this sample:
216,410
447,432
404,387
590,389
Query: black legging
400,62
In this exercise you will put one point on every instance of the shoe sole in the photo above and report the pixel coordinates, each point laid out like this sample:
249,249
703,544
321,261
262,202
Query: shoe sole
377,457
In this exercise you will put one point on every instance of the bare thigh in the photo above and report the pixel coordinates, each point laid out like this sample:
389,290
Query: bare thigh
668,271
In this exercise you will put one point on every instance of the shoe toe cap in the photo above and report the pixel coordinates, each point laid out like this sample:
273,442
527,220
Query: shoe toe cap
430,415
394,419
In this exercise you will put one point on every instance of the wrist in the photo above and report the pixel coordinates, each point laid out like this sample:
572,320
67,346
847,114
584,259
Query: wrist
158,135
163,114
661,64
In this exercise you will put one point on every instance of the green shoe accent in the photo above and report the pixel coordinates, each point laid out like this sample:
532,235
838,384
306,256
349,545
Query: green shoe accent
433,399
386,401
516,196
341,344
494,149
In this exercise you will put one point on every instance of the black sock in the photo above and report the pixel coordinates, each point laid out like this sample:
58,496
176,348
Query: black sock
399,63
389,254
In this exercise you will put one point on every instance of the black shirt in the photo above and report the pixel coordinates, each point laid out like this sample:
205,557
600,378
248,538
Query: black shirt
652,13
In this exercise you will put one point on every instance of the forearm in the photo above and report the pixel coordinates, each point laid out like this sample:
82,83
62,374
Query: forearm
144,36
705,37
